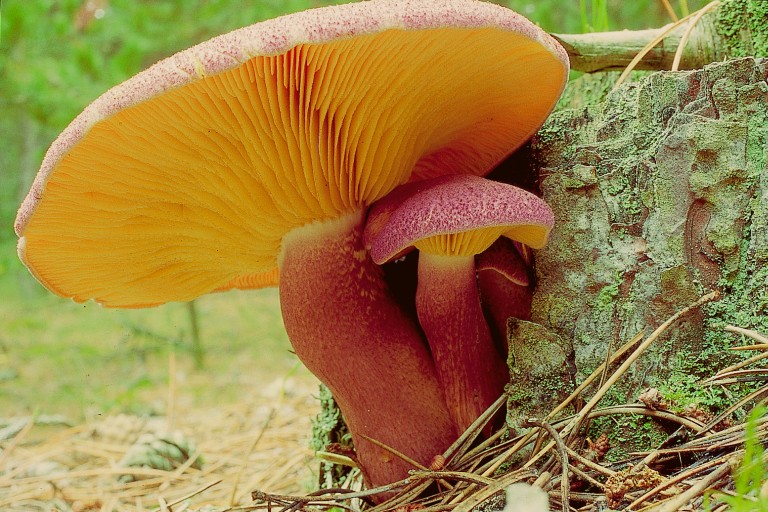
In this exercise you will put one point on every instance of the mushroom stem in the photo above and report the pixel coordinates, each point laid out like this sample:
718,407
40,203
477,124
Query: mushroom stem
348,330
470,369
503,299
506,290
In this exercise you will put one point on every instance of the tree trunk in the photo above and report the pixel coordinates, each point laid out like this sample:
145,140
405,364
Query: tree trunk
660,194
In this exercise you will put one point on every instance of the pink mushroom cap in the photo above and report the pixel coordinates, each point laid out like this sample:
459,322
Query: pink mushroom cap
505,257
459,214
450,220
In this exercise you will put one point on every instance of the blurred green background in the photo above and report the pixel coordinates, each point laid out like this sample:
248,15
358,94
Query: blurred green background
55,57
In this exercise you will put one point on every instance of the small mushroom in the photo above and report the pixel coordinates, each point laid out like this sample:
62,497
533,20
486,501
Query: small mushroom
261,150
450,220
506,285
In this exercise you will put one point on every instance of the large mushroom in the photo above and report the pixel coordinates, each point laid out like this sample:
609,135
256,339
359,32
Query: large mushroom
261,149
451,220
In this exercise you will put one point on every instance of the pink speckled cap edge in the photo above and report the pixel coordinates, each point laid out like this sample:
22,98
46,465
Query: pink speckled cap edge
450,204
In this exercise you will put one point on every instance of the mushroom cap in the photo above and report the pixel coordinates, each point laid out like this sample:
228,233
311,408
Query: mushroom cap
188,175
457,215
505,257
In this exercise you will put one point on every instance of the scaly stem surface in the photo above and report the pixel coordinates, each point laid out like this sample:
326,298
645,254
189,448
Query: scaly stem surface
471,371
348,330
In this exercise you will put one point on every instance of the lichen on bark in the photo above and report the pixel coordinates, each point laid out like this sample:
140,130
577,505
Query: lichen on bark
742,25
539,365
660,194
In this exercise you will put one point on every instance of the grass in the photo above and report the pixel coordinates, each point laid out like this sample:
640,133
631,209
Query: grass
751,477
59,357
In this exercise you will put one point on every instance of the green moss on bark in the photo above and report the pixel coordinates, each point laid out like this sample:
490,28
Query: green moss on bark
660,194
540,367
742,24
328,428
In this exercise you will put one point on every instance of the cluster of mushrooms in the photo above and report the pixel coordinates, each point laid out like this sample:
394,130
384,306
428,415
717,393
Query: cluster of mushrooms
307,152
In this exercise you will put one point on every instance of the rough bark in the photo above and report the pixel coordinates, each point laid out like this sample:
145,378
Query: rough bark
660,194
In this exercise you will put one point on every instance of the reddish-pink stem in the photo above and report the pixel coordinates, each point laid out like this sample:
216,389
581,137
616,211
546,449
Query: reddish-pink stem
506,291
347,329
471,371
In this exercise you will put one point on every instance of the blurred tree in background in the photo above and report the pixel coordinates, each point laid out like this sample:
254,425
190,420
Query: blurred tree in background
56,56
